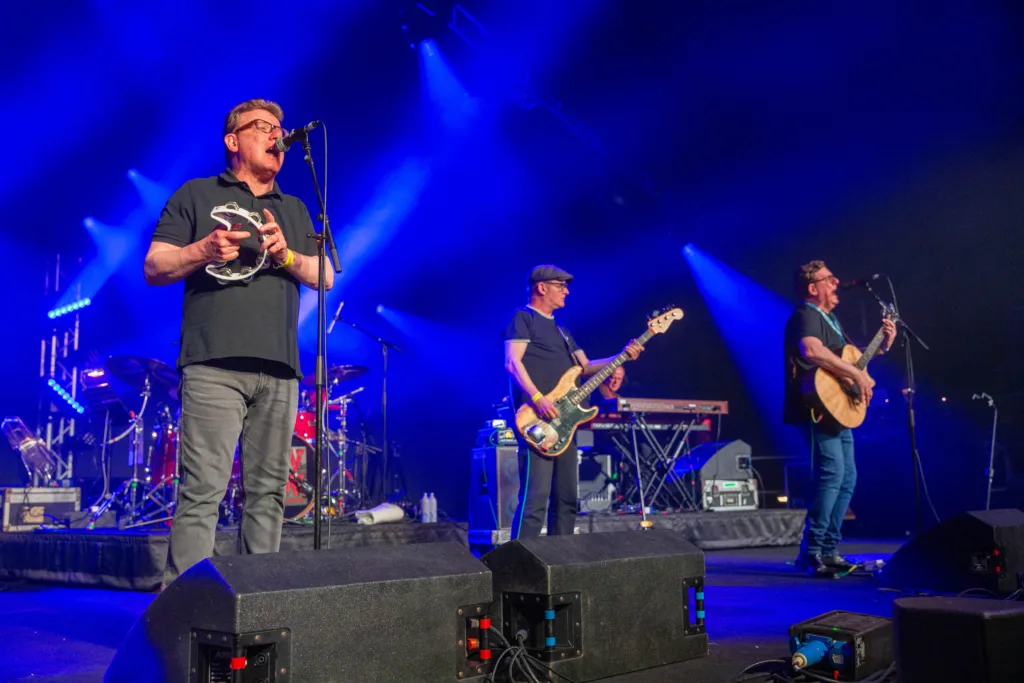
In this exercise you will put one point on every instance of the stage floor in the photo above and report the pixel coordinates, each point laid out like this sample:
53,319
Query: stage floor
69,635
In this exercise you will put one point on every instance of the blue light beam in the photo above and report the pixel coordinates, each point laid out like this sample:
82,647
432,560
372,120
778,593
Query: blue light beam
452,104
752,320
154,195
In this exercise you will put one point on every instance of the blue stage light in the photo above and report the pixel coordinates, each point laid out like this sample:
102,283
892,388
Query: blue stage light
69,308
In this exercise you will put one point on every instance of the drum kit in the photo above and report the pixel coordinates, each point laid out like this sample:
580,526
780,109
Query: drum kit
148,496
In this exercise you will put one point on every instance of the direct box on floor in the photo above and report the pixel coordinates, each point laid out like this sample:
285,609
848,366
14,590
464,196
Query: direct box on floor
25,509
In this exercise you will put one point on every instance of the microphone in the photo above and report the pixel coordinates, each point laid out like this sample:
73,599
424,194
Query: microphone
287,141
335,318
863,282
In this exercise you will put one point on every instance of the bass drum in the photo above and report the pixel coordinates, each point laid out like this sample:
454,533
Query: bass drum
298,491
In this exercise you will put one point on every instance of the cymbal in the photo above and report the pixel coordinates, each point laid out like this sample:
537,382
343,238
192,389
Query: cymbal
133,371
337,374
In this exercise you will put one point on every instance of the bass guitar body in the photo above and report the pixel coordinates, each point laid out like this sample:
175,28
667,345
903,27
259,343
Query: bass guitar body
551,438
827,394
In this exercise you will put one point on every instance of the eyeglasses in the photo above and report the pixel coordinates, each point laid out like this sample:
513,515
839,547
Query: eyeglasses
832,279
263,127
557,283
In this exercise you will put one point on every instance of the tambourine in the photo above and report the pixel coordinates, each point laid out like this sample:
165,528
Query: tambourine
250,259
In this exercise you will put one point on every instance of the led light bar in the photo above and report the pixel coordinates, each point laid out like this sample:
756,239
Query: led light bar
70,308
78,407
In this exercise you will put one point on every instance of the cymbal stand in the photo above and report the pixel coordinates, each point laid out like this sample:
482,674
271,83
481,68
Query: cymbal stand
126,493
384,345
990,472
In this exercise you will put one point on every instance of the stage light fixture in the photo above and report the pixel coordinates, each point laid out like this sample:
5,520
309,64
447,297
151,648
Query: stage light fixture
68,398
69,308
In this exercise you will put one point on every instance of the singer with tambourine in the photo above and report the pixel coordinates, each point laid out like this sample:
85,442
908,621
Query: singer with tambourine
242,247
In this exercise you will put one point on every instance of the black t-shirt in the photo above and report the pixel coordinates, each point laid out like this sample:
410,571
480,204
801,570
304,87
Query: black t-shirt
805,321
237,320
548,353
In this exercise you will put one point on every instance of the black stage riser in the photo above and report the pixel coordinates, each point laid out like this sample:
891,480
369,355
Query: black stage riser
634,590
360,614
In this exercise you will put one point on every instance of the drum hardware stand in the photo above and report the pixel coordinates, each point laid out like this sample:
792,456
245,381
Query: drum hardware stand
384,345
155,488
127,491
324,240
363,449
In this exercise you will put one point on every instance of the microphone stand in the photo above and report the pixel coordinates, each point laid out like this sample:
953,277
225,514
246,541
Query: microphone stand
908,334
990,472
384,345
321,339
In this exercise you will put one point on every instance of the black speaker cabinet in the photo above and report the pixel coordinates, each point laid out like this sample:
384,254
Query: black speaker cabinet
602,604
982,549
494,488
397,613
967,640
722,460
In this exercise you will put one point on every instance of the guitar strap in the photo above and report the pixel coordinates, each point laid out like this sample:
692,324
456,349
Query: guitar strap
568,347
833,322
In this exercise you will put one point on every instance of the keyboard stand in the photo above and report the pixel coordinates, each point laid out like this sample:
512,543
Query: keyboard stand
652,467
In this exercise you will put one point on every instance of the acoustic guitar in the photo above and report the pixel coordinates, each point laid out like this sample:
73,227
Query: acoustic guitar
826,394
551,438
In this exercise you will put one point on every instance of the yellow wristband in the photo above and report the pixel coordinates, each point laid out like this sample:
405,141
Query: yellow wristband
533,399
288,261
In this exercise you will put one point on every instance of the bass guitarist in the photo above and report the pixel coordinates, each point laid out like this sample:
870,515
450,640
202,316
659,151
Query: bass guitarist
815,339
537,353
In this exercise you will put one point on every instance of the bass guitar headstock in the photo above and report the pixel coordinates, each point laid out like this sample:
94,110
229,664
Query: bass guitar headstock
660,323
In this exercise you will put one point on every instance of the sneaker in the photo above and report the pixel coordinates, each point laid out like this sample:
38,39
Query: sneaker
838,562
813,565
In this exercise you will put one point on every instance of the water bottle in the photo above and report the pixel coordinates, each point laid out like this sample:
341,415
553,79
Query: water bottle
424,509
432,506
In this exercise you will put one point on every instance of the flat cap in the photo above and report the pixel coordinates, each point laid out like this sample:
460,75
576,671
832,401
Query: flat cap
548,272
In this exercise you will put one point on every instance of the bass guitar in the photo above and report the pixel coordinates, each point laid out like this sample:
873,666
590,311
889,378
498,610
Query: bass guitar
826,394
552,437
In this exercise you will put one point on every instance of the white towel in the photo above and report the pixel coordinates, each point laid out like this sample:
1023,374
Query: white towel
385,512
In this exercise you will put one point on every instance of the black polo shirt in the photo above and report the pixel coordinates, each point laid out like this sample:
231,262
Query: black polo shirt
238,321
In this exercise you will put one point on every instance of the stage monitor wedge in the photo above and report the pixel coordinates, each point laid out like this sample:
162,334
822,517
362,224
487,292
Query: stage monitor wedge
357,614
967,640
983,549
604,604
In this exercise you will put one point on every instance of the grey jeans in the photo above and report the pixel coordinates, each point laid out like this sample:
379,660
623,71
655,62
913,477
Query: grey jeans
220,409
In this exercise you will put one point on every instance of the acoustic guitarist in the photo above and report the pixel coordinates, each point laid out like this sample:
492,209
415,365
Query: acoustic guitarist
537,353
814,338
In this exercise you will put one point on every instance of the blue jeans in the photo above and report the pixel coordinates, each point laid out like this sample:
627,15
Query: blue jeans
834,476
